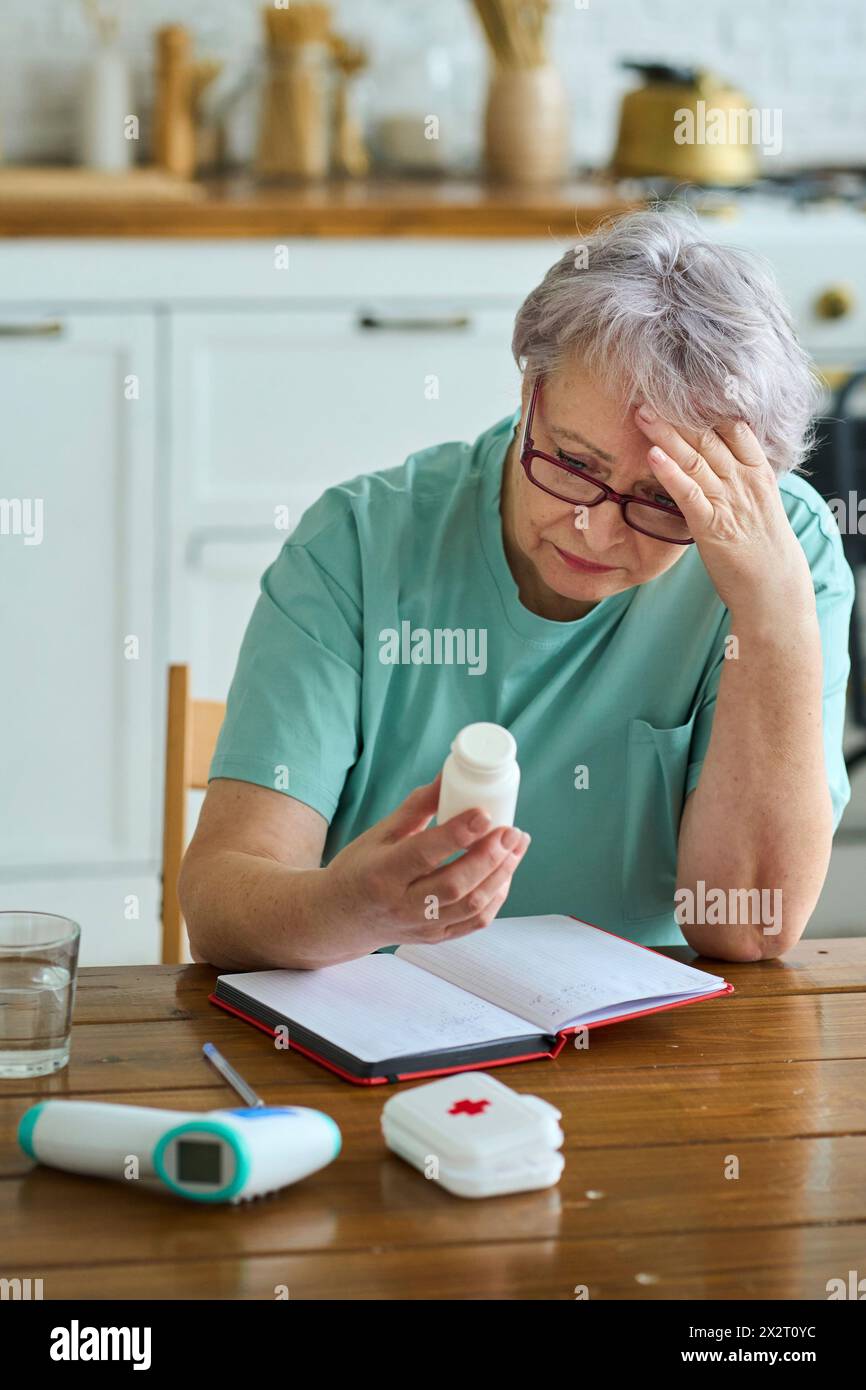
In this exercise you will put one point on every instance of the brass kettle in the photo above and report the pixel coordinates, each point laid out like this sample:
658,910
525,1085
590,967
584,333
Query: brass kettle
663,127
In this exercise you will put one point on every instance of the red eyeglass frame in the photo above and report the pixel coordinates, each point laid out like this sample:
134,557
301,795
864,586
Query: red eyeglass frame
528,450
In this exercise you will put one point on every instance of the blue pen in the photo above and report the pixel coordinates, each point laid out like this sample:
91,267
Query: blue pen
235,1080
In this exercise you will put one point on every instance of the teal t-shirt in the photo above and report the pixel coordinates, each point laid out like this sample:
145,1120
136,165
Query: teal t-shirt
390,619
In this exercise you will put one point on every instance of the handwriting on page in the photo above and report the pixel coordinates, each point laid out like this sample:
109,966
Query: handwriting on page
554,969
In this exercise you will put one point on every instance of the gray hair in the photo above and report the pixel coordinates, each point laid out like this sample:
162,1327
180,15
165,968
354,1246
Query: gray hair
697,330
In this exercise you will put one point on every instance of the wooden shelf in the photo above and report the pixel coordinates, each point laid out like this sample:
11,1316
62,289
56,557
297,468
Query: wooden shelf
372,208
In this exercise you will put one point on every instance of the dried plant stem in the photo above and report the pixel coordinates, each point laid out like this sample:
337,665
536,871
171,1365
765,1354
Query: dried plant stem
515,31
105,20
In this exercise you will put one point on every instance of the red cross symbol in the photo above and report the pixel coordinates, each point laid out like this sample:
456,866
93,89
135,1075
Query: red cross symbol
468,1107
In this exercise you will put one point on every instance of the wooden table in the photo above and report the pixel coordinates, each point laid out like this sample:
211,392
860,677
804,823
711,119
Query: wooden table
653,1111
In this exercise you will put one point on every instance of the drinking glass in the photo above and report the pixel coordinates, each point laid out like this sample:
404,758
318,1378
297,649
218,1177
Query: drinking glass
38,966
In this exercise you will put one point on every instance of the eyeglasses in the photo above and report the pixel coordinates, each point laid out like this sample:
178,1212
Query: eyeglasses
566,481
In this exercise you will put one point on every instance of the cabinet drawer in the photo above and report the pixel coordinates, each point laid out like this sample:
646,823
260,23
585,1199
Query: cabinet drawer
818,257
271,408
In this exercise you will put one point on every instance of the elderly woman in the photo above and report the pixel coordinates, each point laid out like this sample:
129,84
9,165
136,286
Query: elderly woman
644,593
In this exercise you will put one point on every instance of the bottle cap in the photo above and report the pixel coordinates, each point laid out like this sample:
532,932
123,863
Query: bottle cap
486,747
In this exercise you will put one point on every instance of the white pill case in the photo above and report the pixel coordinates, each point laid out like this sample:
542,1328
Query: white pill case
476,1136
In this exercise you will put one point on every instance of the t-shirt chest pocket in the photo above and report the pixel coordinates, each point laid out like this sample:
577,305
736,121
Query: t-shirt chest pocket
657,763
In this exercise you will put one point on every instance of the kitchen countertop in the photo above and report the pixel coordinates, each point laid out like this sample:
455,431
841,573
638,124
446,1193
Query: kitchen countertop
372,207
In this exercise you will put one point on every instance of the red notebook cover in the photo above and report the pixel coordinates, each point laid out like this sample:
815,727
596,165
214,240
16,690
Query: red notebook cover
483,1065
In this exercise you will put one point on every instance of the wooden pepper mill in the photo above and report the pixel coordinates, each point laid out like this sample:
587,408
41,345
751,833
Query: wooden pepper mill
174,138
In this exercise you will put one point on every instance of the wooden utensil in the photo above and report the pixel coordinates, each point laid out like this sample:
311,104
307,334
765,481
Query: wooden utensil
515,31
173,123
350,154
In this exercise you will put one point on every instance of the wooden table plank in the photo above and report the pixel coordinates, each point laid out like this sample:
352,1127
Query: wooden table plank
803,1099
776,1264
369,1197
149,992
143,993
811,967
149,1056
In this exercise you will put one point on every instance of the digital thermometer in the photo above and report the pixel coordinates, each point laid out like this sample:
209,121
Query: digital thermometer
215,1156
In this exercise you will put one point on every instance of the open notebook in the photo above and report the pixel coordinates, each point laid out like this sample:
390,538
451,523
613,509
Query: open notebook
509,993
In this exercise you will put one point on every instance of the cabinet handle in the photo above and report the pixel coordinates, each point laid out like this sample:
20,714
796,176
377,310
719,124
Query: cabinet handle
51,328
394,322
836,302
216,534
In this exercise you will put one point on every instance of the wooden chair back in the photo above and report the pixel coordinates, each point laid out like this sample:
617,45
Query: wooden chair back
192,730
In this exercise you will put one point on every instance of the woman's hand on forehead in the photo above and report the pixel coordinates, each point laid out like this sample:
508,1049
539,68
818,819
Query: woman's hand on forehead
723,483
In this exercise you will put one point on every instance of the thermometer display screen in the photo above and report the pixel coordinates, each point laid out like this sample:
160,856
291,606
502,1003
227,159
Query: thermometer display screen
199,1161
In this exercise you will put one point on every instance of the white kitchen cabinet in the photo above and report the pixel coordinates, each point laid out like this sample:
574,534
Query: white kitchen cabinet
273,407
221,584
77,401
269,408
118,911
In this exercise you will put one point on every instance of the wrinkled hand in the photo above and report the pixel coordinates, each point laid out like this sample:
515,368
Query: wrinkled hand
394,881
724,486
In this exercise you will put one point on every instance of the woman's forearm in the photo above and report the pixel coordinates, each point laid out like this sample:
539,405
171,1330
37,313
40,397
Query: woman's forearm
758,827
223,891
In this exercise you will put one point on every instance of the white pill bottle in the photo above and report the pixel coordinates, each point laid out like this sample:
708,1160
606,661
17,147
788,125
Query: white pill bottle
481,770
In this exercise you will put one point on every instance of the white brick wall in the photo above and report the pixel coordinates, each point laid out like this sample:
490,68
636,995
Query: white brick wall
807,58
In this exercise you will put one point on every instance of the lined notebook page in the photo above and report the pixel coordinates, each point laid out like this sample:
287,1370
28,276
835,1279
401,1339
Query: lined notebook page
380,1007
557,972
